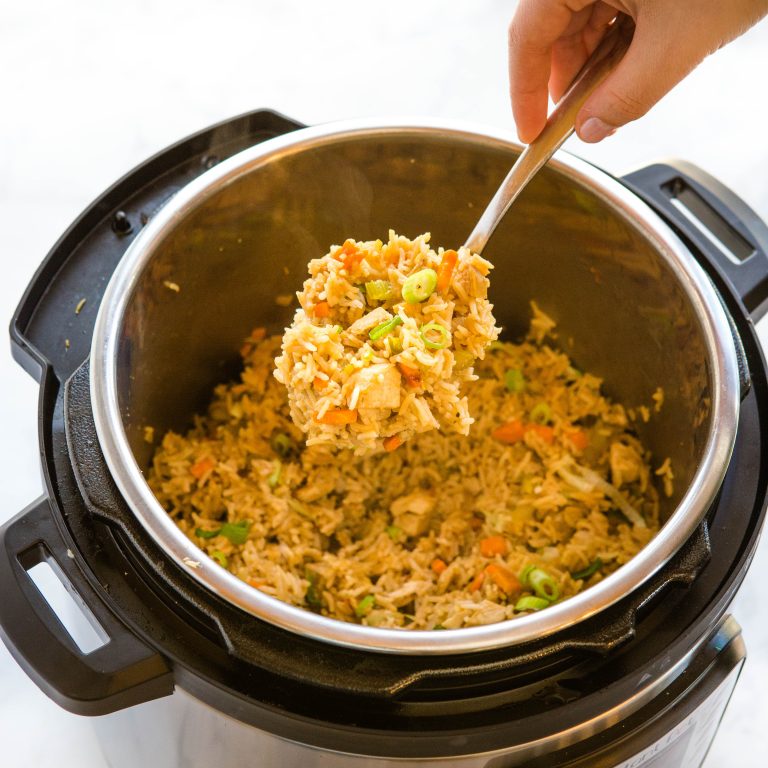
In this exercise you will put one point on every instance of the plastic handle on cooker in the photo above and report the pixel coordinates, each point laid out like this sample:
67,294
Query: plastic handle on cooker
720,225
122,672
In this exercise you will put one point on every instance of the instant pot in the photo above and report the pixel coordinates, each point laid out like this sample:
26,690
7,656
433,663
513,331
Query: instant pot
655,280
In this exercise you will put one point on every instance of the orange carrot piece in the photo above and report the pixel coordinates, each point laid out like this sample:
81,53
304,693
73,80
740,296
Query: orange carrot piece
256,584
338,417
319,383
477,582
438,565
322,309
547,434
392,443
493,545
198,469
510,432
503,578
445,270
412,376
579,439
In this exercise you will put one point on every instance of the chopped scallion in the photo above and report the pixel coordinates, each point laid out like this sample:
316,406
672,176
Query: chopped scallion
591,569
543,584
419,286
394,532
541,413
364,606
237,533
514,380
220,558
273,478
382,329
531,603
203,534
282,444
434,336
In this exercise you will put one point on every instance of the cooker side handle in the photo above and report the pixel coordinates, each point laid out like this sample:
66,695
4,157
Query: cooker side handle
120,672
730,236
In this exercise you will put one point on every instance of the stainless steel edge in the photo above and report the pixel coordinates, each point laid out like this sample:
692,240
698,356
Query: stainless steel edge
132,485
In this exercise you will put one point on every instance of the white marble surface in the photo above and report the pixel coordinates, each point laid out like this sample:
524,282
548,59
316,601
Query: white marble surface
89,88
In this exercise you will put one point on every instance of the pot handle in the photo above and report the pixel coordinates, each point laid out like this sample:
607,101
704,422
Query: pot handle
730,236
120,672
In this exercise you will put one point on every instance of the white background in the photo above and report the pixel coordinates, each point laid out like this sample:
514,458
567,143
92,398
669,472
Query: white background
89,88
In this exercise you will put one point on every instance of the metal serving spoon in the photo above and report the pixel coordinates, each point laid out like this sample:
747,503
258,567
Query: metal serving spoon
560,125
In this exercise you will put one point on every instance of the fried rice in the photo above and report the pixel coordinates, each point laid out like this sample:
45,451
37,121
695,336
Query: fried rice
549,492
385,337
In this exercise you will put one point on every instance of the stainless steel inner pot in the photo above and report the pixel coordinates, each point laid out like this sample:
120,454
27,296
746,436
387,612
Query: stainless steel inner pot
630,302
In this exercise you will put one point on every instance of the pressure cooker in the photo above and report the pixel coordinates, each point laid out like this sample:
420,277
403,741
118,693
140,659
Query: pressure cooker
655,279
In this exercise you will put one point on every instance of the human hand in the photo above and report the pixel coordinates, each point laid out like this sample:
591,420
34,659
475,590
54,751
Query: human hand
549,41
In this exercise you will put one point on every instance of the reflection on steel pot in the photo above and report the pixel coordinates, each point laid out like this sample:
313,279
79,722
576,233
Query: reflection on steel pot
643,299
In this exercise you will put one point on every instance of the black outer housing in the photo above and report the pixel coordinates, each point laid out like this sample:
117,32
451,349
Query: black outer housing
167,630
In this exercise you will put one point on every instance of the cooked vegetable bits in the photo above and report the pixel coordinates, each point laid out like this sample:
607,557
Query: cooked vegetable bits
384,342
442,532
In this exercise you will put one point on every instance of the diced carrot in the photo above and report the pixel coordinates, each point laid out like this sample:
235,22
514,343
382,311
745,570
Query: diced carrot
198,469
510,432
392,443
579,439
412,376
338,417
477,582
438,565
322,309
493,545
255,584
445,270
547,434
503,578
257,335
353,260
319,383
349,255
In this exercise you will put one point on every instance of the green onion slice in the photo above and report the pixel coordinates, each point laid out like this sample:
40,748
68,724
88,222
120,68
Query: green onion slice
282,444
364,606
531,603
419,286
382,329
434,336
273,478
514,380
592,568
525,573
220,558
394,532
379,290
541,413
237,533
203,534
543,584
312,595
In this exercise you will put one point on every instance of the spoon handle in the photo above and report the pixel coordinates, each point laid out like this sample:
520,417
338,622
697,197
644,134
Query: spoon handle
559,126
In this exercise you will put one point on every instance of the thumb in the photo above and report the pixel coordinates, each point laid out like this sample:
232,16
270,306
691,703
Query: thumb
652,66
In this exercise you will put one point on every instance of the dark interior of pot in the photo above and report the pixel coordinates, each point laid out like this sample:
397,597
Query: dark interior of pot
620,311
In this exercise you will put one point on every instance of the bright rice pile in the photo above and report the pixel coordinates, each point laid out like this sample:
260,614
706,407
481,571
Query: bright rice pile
550,492
384,340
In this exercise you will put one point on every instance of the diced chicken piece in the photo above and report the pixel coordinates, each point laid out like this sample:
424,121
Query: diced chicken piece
379,386
371,320
627,465
412,513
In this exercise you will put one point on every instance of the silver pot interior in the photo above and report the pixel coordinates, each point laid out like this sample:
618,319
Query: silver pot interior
621,311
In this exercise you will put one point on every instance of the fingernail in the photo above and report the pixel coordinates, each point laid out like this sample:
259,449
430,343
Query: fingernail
594,129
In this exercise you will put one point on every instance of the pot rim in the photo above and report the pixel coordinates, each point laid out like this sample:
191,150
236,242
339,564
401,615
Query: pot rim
722,364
